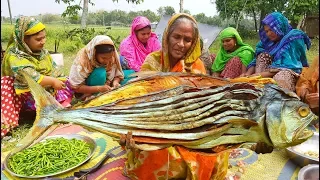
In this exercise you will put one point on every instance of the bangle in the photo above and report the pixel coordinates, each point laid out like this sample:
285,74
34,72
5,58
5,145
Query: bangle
98,88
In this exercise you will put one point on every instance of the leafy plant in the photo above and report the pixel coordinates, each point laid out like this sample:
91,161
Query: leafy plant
298,8
73,9
85,35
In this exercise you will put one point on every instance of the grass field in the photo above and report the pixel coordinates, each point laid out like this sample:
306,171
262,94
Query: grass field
69,47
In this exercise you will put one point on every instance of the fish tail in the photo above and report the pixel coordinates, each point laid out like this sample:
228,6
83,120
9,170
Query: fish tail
46,105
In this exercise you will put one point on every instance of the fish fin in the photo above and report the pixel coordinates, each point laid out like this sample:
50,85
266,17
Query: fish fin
285,91
243,122
143,74
152,74
45,104
137,76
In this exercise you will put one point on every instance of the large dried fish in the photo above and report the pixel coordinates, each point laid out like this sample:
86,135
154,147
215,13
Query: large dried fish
194,111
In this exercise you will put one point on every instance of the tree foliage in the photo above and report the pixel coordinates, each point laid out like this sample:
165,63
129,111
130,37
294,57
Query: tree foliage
298,8
118,17
258,9
202,18
167,10
186,11
73,9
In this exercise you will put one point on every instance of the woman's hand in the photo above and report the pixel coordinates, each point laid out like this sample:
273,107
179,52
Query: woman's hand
312,99
115,84
127,141
249,72
215,74
243,75
255,74
57,84
104,88
246,74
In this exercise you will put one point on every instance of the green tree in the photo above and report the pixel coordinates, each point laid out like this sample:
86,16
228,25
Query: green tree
297,9
150,15
186,11
255,8
160,11
168,10
50,18
73,8
201,18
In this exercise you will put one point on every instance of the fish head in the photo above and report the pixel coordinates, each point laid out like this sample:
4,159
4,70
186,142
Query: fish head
287,121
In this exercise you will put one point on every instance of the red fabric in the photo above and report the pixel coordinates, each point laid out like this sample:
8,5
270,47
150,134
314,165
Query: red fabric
232,69
11,105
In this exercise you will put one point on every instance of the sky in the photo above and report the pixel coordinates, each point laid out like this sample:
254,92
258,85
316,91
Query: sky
36,7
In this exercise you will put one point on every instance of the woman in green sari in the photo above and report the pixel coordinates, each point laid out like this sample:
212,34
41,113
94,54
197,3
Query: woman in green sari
233,56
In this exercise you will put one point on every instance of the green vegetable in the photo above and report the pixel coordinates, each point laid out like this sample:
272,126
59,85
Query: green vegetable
50,156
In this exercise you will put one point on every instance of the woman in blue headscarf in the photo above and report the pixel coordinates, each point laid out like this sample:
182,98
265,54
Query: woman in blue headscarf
280,53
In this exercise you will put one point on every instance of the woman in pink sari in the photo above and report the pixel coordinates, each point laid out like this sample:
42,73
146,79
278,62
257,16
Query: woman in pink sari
139,43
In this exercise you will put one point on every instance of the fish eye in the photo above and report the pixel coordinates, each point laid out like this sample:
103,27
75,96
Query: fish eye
304,111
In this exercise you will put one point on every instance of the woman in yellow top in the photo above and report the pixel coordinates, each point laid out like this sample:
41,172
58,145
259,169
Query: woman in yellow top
180,48
25,52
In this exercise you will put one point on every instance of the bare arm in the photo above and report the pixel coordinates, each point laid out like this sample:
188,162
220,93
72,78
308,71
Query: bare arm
92,89
248,72
53,82
243,69
267,74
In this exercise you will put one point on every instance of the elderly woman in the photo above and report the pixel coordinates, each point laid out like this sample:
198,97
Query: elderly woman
233,56
281,51
96,68
180,48
139,43
25,52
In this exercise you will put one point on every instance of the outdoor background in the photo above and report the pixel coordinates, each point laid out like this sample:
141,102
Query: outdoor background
71,24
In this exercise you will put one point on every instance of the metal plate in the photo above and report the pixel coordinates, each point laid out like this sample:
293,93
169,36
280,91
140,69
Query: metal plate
88,140
296,152
311,171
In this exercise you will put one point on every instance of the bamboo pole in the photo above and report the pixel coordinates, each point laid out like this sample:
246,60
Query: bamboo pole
181,6
9,11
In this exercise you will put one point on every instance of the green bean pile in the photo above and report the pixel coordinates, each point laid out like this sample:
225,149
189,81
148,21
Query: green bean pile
50,156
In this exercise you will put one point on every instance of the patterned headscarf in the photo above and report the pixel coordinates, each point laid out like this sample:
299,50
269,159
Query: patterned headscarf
290,51
25,26
279,24
133,50
86,62
19,56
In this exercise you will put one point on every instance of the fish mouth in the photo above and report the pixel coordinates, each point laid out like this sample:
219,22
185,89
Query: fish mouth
304,133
